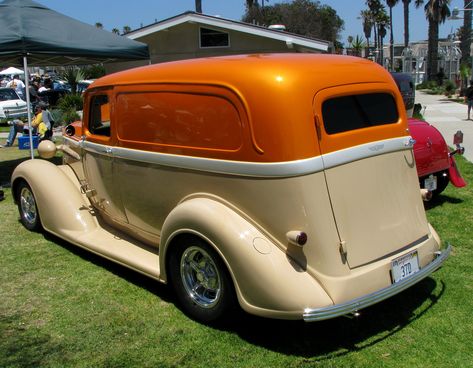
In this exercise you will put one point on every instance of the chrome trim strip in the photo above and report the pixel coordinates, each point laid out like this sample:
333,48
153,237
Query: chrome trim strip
71,142
97,148
371,149
255,169
319,314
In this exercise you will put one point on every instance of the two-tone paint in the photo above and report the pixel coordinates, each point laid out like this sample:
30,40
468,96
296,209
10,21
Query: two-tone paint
271,170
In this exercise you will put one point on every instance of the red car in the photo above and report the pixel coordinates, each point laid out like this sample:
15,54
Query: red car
436,166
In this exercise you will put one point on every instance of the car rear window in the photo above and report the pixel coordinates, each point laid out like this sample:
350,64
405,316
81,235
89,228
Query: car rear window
341,114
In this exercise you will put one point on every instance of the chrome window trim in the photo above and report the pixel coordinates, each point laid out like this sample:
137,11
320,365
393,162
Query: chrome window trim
256,169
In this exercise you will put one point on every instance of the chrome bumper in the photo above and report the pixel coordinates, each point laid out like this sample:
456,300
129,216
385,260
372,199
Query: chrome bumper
319,314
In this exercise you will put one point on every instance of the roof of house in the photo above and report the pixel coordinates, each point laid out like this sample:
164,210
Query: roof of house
215,21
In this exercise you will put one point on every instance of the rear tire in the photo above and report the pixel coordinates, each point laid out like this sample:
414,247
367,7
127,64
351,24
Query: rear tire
442,182
29,215
200,280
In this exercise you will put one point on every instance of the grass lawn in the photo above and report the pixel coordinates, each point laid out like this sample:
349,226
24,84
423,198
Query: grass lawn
61,306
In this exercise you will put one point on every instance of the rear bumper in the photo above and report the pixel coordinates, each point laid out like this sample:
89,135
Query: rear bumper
319,314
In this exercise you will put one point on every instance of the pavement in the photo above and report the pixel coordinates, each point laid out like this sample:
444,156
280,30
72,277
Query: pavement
448,117
444,114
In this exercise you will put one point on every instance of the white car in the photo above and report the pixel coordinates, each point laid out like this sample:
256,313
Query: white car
11,105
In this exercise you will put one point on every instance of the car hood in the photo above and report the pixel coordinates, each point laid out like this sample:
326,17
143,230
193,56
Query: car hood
12,103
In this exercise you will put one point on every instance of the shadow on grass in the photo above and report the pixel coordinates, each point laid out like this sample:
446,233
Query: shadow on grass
134,277
440,200
317,341
24,346
325,340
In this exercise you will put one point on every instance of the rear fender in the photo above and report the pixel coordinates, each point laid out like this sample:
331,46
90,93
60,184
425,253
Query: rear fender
266,280
62,208
454,174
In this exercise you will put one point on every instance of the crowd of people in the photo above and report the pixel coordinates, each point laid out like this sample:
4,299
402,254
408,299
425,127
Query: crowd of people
42,122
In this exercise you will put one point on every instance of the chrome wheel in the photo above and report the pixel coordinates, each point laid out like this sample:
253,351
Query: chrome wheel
28,206
200,277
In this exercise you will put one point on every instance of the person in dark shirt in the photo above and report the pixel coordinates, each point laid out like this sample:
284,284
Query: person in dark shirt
469,98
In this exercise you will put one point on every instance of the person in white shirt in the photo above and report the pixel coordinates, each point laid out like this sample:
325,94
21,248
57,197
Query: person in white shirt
17,84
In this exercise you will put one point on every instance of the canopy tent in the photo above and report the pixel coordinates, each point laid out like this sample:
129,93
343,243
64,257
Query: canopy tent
49,38
32,33
11,71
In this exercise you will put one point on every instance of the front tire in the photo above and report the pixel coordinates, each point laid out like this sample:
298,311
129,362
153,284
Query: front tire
201,280
29,215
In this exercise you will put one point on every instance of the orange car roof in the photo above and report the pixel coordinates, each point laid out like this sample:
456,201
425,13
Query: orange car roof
277,91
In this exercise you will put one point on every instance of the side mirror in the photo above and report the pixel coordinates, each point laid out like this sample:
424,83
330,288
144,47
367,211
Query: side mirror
458,137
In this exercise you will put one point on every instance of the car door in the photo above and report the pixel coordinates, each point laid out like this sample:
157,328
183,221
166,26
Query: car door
98,157
370,170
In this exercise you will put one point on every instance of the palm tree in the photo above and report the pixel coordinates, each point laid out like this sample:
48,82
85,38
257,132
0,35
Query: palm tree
116,31
367,26
405,4
465,44
381,22
198,6
357,45
126,29
391,4
436,12
99,25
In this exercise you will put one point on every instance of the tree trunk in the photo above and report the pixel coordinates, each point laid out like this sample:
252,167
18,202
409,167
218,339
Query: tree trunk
406,22
198,6
391,40
466,35
433,50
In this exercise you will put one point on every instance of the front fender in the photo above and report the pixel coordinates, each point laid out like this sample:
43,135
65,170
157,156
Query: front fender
62,208
267,281
454,174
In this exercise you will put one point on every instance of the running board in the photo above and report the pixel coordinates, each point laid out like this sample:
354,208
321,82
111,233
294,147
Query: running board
118,248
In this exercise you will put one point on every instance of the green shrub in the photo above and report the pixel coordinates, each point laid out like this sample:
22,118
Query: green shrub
71,101
69,116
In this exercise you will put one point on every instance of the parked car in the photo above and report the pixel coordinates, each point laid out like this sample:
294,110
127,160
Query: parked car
11,105
282,183
435,162
406,86
436,166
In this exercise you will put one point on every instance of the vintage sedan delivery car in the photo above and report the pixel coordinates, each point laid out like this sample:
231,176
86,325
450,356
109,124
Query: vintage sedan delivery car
282,183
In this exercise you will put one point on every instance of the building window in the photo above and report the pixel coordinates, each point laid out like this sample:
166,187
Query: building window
213,38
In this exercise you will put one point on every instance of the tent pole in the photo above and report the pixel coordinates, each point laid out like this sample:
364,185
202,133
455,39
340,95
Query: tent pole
28,104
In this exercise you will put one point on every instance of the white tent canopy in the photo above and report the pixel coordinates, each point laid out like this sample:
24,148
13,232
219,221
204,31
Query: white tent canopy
11,71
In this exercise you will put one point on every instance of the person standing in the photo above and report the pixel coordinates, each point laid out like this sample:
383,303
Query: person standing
17,84
469,98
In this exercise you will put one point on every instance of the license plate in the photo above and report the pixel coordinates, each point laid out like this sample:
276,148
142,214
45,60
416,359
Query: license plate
404,266
430,183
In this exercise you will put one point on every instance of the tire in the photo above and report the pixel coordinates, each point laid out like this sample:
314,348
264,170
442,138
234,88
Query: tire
200,280
442,182
29,215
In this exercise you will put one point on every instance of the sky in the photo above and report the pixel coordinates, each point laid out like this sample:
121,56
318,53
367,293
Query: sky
138,13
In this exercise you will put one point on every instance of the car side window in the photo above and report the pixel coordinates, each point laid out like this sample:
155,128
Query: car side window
99,119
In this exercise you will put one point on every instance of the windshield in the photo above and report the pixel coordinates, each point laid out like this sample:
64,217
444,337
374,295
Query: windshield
8,94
